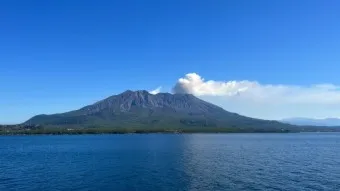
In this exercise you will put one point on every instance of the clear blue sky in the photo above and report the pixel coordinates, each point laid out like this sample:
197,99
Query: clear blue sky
60,55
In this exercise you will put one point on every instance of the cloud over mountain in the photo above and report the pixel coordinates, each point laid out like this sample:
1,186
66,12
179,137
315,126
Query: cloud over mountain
156,91
264,100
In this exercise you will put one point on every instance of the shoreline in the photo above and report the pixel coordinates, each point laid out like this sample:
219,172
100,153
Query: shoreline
178,130
173,133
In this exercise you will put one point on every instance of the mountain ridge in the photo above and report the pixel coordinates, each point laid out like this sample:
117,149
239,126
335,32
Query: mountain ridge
140,109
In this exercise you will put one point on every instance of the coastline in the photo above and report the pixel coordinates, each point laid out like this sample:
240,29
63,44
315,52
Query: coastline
97,132
131,131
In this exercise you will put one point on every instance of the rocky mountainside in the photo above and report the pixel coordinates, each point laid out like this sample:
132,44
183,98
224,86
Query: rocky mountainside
132,109
130,100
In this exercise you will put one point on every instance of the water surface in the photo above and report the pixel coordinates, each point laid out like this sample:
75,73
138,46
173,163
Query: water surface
305,161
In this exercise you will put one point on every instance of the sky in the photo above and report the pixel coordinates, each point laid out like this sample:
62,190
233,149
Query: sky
266,59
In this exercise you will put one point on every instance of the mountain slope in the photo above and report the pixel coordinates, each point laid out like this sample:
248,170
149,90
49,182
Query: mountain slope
140,109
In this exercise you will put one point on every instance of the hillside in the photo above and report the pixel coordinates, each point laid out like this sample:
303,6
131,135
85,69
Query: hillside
140,109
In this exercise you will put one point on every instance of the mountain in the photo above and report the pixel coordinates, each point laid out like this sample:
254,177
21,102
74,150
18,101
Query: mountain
313,122
140,109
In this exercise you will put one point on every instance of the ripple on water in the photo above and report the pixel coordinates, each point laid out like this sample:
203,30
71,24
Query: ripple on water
171,162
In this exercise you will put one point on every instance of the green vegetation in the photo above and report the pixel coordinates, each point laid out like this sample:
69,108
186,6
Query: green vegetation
72,130
59,131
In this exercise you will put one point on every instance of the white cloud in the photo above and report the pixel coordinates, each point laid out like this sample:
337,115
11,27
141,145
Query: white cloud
265,100
156,91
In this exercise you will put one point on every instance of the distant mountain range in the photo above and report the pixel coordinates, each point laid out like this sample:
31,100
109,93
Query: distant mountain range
313,122
140,109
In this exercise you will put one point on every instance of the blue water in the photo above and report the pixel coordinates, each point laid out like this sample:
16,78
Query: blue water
307,161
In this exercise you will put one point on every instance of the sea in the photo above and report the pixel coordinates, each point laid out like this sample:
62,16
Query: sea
287,161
